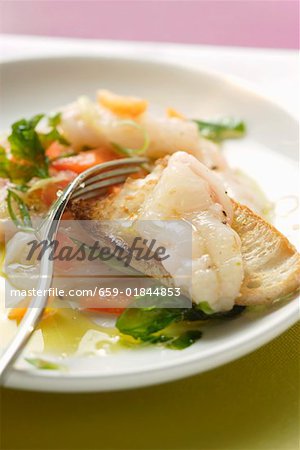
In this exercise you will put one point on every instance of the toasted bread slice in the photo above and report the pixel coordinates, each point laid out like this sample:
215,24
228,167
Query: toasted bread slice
272,264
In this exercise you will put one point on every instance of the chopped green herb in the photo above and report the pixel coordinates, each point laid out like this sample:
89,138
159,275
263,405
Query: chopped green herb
185,340
28,158
142,323
21,187
43,364
151,326
67,154
54,121
204,306
149,315
226,128
16,172
24,222
53,134
153,321
4,169
26,146
195,313
125,151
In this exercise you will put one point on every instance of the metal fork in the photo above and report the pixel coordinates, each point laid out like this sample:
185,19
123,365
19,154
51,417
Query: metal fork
90,183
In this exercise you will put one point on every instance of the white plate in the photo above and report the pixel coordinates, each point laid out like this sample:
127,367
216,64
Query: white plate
268,153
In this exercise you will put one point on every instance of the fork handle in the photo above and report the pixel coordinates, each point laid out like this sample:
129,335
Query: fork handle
38,304
47,231
17,345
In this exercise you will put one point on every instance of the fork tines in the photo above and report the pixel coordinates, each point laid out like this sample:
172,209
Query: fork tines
97,181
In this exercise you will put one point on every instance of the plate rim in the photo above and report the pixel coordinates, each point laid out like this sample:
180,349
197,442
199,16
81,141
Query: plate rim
236,81
59,382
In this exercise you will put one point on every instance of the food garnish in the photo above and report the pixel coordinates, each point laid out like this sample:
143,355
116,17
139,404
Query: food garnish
43,364
126,151
219,130
14,201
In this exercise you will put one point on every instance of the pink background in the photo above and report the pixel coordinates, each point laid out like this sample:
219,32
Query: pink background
267,23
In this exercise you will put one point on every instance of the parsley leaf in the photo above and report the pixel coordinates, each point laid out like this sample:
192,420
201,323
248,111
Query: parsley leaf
28,155
4,170
185,340
53,134
54,121
27,158
15,171
166,321
141,323
226,128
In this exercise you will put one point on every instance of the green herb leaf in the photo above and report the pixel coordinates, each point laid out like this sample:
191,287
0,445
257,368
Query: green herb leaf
153,323
43,364
16,172
21,187
185,340
28,155
54,135
204,306
4,169
51,136
150,314
141,323
27,158
151,326
226,128
196,313
25,222
54,121
122,151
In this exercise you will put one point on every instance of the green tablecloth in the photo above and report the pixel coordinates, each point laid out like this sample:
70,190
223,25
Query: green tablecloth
252,403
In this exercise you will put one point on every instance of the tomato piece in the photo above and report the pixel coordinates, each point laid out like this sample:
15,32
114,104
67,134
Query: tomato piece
62,265
55,150
19,312
48,194
84,160
101,304
64,240
67,215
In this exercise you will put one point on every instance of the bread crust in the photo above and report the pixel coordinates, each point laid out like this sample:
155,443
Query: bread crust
271,262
